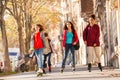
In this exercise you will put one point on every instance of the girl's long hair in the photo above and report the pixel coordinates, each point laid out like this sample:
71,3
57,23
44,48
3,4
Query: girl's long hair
72,27
40,26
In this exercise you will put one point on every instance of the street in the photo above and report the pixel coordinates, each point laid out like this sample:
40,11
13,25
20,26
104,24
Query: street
81,73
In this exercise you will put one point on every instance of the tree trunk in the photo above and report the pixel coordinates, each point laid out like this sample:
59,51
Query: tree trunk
21,40
5,46
7,66
27,19
28,33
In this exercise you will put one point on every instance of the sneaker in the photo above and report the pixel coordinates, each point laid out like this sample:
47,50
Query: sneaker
61,70
73,68
44,71
40,70
49,68
99,66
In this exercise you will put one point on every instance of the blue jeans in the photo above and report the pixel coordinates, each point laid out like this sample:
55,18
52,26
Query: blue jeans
38,54
45,58
67,48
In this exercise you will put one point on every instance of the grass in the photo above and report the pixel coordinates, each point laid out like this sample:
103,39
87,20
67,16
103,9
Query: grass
7,73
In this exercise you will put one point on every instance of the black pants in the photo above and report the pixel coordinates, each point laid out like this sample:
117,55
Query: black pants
45,58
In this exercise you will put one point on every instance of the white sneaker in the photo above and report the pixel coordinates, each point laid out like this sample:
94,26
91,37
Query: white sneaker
40,71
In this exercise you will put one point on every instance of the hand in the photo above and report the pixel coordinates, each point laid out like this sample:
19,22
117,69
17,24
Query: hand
95,44
85,42
74,43
63,48
30,51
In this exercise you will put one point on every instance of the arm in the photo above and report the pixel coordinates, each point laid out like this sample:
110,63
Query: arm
50,44
64,38
97,35
32,42
43,38
76,38
85,34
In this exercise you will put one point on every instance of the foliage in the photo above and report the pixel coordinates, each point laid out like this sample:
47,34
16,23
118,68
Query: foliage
12,33
44,12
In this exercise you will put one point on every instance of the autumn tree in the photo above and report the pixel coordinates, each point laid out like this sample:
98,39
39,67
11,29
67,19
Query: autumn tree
7,65
28,12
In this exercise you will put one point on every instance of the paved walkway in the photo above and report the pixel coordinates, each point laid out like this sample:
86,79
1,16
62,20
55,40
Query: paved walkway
81,73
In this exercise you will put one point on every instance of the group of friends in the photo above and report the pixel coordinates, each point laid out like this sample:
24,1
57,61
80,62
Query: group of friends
41,44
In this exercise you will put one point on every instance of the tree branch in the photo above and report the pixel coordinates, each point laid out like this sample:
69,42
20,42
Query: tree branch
10,12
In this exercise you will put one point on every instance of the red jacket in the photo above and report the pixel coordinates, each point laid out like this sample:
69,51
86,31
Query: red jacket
91,35
75,39
38,43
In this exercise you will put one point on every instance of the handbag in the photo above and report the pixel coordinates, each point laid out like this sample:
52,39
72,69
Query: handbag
77,46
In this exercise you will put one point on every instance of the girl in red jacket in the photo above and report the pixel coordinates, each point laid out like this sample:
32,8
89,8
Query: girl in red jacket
38,45
91,36
70,38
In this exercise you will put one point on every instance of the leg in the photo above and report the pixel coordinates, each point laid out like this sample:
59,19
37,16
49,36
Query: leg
90,52
97,53
49,61
65,56
44,61
38,53
73,57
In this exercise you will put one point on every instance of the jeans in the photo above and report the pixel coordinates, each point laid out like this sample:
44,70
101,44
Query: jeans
67,48
45,58
38,54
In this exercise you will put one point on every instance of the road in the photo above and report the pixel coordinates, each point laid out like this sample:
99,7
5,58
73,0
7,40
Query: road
81,73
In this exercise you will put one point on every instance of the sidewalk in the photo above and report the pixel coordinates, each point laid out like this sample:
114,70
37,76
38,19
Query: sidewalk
81,73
